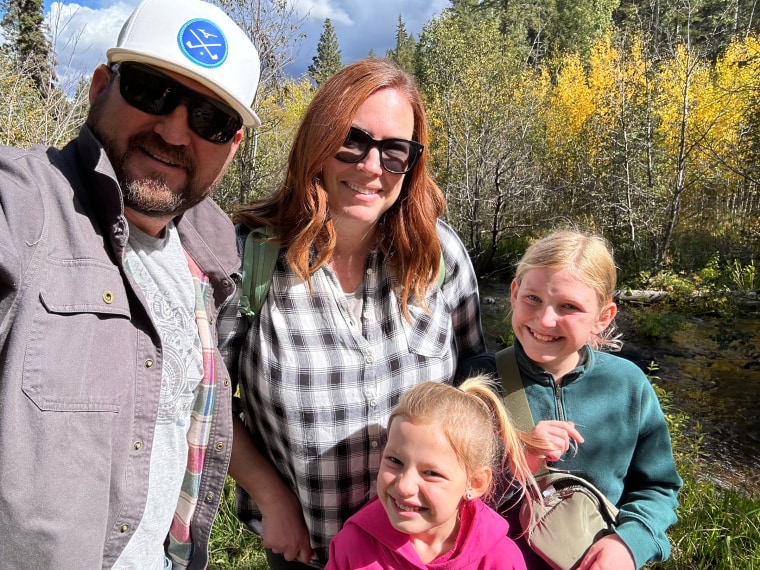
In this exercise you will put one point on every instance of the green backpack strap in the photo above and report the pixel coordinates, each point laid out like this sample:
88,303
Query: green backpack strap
515,399
259,258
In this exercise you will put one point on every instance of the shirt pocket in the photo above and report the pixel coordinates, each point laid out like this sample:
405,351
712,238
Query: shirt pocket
429,330
81,348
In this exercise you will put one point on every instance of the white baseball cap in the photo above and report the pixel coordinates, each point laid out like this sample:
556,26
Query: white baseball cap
198,40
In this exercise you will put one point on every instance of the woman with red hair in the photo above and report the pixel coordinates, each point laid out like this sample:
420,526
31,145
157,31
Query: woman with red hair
356,314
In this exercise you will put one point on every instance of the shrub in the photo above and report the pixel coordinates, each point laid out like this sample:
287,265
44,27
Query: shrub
655,322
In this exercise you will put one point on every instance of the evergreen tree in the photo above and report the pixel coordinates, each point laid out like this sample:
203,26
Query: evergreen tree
706,25
328,60
406,48
27,47
579,23
544,28
525,24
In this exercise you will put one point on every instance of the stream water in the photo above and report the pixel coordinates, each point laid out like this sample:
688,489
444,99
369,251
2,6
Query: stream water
716,384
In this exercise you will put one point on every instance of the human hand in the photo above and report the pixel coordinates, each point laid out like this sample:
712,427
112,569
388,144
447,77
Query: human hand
608,553
284,531
558,435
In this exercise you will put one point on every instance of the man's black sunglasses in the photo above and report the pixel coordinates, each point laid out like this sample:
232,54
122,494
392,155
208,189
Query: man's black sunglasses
397,156
155,93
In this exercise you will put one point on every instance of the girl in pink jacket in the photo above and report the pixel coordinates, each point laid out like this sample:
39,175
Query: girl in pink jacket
444,444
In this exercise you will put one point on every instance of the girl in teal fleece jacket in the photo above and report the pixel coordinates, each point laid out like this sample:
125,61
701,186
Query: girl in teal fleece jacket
598,412
437,463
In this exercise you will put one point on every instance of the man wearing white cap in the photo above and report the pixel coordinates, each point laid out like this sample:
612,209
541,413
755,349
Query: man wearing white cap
115,419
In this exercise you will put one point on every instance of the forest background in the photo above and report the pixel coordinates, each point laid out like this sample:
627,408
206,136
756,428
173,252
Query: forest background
635,119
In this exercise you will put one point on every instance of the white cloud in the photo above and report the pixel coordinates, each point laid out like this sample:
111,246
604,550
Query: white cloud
81,35
320,10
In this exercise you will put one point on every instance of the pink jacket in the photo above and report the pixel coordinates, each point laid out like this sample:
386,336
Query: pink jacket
369,542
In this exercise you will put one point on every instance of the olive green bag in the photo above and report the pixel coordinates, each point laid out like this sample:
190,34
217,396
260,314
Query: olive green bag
573,513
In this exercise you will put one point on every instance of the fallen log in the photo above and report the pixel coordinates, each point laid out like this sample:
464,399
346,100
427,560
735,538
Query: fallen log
744,298
639,296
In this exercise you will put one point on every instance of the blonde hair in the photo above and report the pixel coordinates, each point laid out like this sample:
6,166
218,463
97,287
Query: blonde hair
588,257
475,423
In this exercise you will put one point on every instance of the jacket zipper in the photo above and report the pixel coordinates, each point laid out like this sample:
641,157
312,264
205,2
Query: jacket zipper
558,400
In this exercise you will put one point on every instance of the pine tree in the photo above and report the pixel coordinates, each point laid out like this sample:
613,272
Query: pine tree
24,28
328,60
406,48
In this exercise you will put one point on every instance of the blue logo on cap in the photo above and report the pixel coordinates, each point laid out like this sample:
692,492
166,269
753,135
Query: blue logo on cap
203,43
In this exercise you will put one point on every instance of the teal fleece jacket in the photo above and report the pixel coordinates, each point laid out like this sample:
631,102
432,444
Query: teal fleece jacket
627,451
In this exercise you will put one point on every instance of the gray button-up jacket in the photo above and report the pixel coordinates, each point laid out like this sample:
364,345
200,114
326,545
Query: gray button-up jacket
80,362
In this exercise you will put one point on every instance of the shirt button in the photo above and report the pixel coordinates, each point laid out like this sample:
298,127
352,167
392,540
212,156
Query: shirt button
137,445
219,446
108,297
373,444
369,271
149,363
209,497
373,403
226,283
124,528
369,359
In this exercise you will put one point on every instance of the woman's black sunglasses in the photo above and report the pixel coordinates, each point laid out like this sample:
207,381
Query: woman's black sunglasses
397,156
155,93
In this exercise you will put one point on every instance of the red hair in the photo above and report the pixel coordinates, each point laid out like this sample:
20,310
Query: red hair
298,211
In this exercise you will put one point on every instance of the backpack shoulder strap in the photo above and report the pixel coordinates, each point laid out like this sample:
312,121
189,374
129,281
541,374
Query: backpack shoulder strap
441,271
259,258
515,399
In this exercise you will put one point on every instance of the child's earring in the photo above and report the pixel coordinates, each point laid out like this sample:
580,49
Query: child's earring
468,496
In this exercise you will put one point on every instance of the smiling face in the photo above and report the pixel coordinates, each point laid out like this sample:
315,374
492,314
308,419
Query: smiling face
163,167
421,482
554,314
358,194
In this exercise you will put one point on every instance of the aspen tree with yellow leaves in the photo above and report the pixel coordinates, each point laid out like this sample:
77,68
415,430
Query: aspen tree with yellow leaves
283,110
734,144
649,153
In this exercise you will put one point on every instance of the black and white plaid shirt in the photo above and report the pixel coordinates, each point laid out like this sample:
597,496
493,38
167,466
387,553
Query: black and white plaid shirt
319,394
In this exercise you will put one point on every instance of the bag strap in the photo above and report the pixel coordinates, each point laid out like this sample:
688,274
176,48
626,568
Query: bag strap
441,271
563,480
260,255
515,399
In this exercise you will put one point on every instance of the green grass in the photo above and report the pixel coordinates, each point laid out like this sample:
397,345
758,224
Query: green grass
232,546
718,529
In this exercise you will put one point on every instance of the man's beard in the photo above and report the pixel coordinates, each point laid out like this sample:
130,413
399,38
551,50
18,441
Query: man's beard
150,195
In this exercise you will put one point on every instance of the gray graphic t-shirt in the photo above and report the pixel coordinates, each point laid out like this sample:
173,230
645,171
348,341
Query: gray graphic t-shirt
159,267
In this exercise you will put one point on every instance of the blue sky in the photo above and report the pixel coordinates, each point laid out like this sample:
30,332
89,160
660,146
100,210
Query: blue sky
82,31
